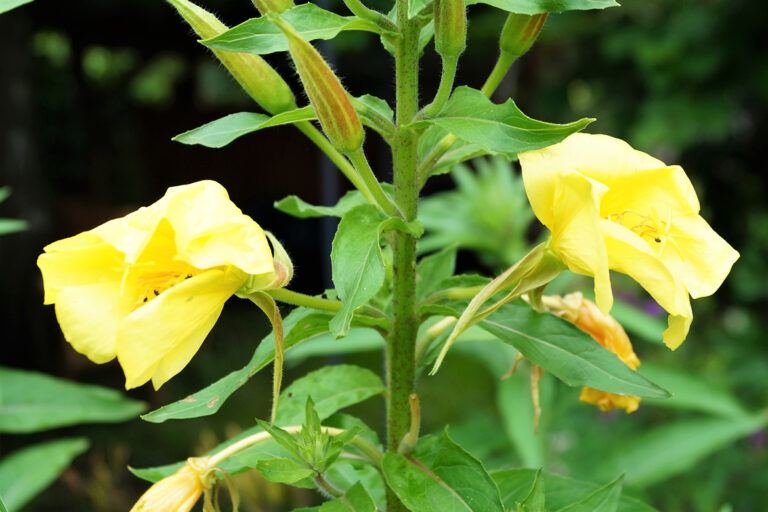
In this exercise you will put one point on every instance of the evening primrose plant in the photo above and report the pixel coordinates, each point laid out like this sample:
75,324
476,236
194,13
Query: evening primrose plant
147,288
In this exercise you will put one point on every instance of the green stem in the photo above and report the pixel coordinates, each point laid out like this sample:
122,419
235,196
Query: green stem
497,74
368,315
445,87
337,158
402,340
361,11
364,169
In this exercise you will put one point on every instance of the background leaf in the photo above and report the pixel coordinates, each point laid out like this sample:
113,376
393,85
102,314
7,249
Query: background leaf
26,472
30,402
7,5
604,499
440,476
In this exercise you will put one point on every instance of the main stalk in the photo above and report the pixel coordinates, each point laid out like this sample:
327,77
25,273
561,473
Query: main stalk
402,341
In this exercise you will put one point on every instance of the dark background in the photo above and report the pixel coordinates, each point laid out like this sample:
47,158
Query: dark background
92,92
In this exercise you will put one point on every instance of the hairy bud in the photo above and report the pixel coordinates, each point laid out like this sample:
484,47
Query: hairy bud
328,97
255,76
273,6
520,32
450,27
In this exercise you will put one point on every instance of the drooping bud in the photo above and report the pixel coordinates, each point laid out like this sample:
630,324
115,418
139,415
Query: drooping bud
254,74
273,6
331,102
520,32
609,333
450,27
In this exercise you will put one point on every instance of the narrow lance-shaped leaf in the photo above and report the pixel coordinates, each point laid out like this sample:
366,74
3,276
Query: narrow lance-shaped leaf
502,129
261,37
566,351
542,6
26,472
30,402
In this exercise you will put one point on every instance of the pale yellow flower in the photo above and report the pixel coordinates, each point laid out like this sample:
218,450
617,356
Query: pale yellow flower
147,288
611,207
606,331
176,493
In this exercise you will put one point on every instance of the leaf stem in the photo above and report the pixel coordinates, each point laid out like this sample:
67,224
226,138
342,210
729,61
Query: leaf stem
503,63
337,158
366,173
445,87
369,314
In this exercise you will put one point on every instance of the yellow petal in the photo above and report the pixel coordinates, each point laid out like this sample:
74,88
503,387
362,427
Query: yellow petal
89,317
661,190
698,256
176,493
79,260
576,235
212,231
158,339
630,254
608,401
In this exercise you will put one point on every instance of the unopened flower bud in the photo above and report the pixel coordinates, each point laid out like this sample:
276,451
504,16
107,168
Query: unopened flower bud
178,492
331,102
450,27
520,32
273,6
255,76
609,333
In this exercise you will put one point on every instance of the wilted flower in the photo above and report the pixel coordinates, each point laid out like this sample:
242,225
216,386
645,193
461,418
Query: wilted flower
606,331
176,493
148,287
609,206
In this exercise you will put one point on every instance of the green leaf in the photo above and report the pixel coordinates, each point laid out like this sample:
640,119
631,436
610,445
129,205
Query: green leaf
514,404
542,6
433,270
5,192
8,226
221,132
357,264
378,106
356,341
260,36
560,491
566,351
30,402
7,5
209,399
344,475
296,207
331,388
604,499
283,470
502,129
440,476
26,472
672,449
691,392
2,506
356,499
534,501
459,151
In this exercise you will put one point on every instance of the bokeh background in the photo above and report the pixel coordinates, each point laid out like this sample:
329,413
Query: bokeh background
92,92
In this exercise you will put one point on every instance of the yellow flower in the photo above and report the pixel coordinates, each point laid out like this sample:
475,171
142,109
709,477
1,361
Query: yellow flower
147,288
606,331
176,493
609,206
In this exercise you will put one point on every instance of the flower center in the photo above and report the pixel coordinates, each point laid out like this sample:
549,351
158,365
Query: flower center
153,281
650,228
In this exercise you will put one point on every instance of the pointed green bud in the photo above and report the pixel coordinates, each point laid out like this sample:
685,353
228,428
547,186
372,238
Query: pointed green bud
273,6
331,101
255,76
520,32
450,27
